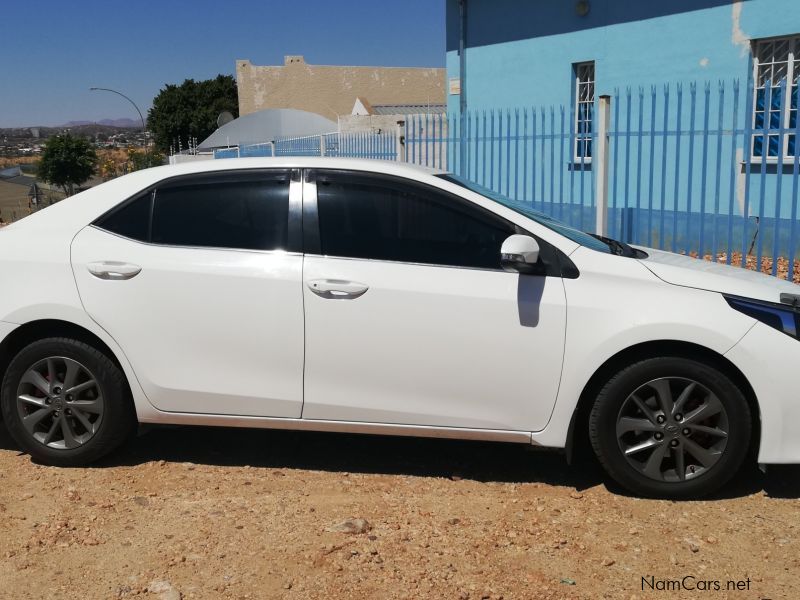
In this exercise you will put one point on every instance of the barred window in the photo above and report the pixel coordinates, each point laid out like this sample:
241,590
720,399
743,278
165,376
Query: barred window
776,64
584,110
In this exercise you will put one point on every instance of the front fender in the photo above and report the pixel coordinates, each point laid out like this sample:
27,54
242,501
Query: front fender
637,309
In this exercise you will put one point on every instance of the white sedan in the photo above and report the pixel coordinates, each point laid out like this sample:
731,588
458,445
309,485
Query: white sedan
362,296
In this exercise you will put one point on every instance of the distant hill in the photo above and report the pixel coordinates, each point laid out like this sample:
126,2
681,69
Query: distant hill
124,123
16,135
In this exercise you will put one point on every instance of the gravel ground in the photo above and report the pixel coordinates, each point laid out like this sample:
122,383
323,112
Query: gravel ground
216,513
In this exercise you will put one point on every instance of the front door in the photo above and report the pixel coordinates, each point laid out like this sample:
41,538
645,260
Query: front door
194,282
409,317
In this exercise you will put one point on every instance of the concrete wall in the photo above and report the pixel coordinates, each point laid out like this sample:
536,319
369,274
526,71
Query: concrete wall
371,123
331,91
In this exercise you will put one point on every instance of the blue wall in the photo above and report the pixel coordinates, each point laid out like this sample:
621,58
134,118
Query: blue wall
520,53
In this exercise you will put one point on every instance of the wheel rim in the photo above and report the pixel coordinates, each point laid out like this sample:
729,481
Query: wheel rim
672,429
60,403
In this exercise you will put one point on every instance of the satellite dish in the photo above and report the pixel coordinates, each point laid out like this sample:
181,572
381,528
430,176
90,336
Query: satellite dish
224,118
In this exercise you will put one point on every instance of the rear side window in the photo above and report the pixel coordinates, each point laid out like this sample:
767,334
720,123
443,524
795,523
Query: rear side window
251,215
387,219
131,220
234,210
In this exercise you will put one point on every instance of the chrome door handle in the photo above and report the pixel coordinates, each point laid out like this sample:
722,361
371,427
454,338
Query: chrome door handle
336,288
113,271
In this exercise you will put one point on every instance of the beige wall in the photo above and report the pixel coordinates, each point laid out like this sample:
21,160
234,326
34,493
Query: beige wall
332,91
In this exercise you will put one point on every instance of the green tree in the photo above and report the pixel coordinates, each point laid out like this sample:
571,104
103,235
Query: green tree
138,160
67,161
190,110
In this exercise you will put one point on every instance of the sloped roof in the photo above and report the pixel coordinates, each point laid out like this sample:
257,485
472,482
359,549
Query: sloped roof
267,125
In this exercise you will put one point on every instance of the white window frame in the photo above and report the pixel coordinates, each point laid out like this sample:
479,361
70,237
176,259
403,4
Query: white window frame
584,69
792,68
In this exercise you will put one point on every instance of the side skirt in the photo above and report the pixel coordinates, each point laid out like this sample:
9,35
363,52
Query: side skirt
459,433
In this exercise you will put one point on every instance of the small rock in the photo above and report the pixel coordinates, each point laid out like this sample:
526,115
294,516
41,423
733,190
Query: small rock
454,521
288,585
164,590
711,539
141,500
73,495
567,581
353,526
607,562
576,495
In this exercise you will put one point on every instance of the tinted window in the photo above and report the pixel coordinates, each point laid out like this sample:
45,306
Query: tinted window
241,213
527,210
384,219
131,220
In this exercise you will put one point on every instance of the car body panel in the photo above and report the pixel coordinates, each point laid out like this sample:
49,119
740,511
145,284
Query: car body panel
686,271
773,376
636,308
429,345
197,326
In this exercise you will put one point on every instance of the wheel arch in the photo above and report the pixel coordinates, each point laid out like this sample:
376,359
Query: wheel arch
32,331
577,443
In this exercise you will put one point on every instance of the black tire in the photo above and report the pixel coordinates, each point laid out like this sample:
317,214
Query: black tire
115,425
616,401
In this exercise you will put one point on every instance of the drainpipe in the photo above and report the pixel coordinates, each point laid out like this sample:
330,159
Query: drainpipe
462,68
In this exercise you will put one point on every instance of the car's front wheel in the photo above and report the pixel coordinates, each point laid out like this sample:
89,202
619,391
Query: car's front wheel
66,403
670,427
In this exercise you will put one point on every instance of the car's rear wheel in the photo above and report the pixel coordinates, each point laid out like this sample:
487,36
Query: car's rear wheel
66,403
671,427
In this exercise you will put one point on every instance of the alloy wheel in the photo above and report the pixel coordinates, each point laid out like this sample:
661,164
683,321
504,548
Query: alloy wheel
60,403
672,429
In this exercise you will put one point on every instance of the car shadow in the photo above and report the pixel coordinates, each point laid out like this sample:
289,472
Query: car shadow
387,455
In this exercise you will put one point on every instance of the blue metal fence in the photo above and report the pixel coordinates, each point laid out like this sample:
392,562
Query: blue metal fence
710,170
362,145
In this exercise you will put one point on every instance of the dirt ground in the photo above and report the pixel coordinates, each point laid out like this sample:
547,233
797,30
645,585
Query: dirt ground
223,513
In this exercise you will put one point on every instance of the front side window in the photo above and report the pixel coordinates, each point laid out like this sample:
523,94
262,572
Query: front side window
527,210
584,110
386,219
234,210
776,64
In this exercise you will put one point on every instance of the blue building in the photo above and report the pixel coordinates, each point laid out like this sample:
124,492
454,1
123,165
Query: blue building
696,88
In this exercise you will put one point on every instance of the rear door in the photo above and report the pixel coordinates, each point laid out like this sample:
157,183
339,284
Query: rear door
205,297
409,317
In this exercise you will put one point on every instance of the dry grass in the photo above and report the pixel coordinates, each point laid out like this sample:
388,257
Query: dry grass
17,160
751,264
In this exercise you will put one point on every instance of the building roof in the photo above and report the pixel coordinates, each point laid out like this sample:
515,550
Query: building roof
266,126
408,109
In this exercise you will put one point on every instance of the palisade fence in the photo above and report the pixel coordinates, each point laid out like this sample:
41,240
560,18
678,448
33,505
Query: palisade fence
709,169
354,145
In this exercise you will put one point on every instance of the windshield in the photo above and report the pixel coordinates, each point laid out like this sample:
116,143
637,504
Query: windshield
577,236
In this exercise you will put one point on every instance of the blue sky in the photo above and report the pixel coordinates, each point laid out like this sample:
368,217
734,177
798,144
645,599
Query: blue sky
53,51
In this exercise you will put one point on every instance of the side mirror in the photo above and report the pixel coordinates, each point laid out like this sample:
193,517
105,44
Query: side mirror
520,254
